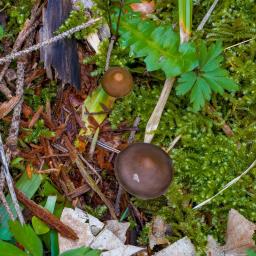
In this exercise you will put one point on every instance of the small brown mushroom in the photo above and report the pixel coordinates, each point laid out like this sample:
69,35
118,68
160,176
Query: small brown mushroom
144,170
117,82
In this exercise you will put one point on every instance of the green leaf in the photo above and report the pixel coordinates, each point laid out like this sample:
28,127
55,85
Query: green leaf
250,252
197,95
159,45
10,249
82,251
227,83
209,77
39,226
185,83
213,84
1,32
25,235
28,187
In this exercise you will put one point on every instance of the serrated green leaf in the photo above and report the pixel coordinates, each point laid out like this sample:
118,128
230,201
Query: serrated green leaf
159,45
213,84
185,83
10,250
227,83
209,77
25,235
197,97
82,251
202,52
213,64
206,90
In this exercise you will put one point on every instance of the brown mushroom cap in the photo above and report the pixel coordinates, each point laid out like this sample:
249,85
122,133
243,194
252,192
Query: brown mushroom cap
117,82
144,170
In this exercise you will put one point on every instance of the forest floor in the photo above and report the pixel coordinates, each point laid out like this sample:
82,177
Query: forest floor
55,164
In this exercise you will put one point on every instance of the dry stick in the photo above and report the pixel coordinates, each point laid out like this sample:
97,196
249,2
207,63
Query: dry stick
174,142
9,182
91,182
46,216
35,47
207,15
29,26
114,37
12,140
14,129
157,113
226,186
6,206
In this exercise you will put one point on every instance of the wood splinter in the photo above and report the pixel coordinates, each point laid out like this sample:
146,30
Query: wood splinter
46,216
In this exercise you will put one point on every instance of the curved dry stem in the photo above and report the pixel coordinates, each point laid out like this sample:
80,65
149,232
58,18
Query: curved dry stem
155,117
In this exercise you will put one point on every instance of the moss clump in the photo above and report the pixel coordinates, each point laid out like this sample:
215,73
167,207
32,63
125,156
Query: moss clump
78,17
119,57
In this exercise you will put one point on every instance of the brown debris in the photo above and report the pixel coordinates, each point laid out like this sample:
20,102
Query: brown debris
7,106
35,117
46,216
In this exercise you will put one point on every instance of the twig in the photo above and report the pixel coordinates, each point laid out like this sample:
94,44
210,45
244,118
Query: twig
105,146
5,90
93,143
243,42
35,47
36,116
6,206
174,142
155,117
133,132
14,129
9,182
29,26
12,141
114,37
226,186
207,16
46,216
94,187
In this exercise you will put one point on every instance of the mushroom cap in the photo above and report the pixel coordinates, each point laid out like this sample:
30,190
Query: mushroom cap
144,170
117,82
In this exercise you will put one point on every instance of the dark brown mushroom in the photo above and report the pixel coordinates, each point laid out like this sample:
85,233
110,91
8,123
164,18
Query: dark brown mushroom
144,170
117,82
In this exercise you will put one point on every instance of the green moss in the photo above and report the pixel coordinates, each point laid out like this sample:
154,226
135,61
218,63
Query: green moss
17,12
119,57
78,17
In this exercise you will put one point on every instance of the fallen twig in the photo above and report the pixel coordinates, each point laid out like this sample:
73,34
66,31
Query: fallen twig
29,26
46,216
8,177
155,117
12,139
174,142
36,116
54,39
207,15
6,206
232,182
7,106
83,170
94,186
